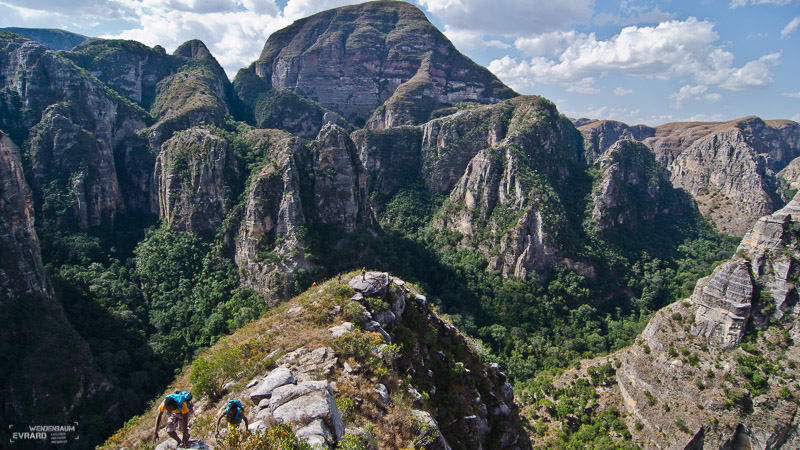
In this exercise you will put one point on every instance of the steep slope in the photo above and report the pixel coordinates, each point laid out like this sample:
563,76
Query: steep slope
73,123
35,332
715,370
729,168
369,363
380,57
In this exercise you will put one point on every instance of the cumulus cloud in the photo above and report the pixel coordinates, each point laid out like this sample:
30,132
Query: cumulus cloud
234,30
622,91
686,93
633,15
512,17
670,49
791,94
106,9
738,3
790,27
689,92
470,40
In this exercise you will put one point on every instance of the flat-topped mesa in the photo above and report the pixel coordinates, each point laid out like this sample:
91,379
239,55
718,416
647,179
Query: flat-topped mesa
353,59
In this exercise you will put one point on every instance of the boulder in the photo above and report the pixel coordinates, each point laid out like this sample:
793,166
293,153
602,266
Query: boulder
372,284
310,400
316,428
341,330
276,378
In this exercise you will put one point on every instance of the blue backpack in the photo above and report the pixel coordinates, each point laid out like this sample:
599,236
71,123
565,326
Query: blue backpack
180,397
233,412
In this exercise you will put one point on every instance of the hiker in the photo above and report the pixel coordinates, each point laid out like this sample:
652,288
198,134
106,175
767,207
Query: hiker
178,407
234,414
339,279
363,274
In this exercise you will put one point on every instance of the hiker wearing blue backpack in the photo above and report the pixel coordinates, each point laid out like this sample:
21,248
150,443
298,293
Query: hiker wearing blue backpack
234,414
179,409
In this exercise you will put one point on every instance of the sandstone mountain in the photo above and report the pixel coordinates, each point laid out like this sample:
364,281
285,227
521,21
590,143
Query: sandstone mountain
730,168
155,207
377,63
715,370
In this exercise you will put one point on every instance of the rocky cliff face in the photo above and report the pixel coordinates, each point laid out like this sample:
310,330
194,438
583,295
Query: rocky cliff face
713,371
500,164
74,122
195,177
632,190
35,331
367,362
730,168
353,59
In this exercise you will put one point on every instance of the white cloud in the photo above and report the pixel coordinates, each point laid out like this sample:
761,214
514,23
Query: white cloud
606,113
791,94
671,49
510,17
738,3
687,92
297,9
633,15
622,91
790,27
706,118
106,9
796,117
469,40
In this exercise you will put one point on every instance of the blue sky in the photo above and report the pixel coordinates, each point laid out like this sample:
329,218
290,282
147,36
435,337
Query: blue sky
636,61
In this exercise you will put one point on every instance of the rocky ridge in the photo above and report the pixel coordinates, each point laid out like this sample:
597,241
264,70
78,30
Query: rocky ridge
730,168
354,361
715,370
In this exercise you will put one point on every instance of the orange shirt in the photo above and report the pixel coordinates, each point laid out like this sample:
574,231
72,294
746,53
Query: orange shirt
182,409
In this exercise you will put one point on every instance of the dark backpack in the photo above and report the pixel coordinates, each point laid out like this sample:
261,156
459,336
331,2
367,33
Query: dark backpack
233,412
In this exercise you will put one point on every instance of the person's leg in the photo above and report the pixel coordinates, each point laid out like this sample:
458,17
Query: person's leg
172,425
185,427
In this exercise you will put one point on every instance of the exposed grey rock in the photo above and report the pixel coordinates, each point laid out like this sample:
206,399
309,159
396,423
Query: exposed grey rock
376,327
264,403
371,284
258,426
341,330
430,430
309,400
253,383
316,428
278,377
383,393
724,300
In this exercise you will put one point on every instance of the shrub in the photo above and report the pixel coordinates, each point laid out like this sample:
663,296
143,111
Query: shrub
278,437
672,352
681,425
210,373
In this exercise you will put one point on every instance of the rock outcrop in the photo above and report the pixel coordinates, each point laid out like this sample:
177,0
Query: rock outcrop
711,371
352,385
353,59
730,168
632,191
195,177
500,165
